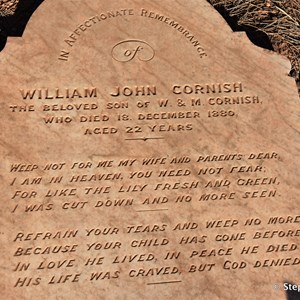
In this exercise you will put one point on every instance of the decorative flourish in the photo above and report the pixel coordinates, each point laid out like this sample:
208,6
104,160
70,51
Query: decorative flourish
129,50
145,138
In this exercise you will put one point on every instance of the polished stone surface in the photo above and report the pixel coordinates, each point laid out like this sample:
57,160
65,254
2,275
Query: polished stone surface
148,152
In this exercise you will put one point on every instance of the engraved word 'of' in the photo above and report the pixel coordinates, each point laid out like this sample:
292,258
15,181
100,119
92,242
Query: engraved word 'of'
128,50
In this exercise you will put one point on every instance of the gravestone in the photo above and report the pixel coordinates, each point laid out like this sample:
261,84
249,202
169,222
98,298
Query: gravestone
147,152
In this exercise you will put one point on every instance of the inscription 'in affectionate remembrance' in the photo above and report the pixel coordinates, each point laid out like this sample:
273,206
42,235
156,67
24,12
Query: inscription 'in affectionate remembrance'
146,156
92,21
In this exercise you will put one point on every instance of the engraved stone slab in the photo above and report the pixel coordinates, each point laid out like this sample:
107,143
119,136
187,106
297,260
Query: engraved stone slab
147,152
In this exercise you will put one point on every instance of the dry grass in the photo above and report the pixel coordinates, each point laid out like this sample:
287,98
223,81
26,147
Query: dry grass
279,19
8,7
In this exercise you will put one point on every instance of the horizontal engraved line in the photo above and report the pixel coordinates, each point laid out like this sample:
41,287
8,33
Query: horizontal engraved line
164,282
145,138
158,209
